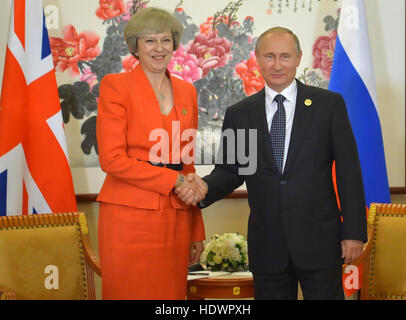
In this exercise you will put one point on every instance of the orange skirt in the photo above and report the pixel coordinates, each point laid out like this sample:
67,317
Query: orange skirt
144,253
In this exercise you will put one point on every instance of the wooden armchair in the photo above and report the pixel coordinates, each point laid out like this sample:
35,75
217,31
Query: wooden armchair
46,257
384,275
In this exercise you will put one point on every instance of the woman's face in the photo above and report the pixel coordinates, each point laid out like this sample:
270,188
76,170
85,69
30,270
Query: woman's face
155,51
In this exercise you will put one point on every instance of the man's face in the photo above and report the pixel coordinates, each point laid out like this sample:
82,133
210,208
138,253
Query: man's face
277,58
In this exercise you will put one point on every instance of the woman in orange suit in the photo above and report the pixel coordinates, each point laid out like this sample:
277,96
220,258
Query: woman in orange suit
147,235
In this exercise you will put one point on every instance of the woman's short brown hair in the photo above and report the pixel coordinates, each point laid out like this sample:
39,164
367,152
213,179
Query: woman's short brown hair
150,21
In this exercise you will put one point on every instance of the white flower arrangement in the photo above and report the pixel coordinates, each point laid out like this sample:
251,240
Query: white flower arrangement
227,252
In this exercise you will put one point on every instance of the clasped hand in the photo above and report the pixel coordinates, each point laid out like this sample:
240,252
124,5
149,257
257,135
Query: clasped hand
193,189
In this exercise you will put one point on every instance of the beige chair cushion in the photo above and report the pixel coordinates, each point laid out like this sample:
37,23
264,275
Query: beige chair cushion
26,252
387,276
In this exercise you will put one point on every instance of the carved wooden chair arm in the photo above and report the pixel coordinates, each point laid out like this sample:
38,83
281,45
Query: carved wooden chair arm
91,256
7,293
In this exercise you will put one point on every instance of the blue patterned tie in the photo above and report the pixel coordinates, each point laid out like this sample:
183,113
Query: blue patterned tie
277,132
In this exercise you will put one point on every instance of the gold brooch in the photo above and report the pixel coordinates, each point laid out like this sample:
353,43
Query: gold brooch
308,102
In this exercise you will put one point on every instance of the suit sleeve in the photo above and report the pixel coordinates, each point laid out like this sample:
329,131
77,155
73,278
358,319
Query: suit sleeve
198,230
224,178
190,168
349,177
112,143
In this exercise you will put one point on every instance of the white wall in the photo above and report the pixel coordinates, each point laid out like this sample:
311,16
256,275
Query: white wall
386,23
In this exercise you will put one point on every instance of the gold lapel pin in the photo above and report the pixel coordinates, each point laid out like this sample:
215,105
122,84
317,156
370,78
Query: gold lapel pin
184,111
308,102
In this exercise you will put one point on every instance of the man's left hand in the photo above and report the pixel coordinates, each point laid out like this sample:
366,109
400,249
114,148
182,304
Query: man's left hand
351,250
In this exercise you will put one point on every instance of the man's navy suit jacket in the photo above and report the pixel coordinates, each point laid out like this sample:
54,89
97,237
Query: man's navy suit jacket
295,214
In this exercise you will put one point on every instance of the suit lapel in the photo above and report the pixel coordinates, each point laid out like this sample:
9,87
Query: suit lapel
182,103
301,121
260,122
150,104
147,97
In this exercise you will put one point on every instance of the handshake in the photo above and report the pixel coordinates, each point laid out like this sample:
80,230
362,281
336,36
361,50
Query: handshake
192,190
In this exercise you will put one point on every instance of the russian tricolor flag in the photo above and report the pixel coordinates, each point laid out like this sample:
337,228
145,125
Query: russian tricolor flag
35,175
352,76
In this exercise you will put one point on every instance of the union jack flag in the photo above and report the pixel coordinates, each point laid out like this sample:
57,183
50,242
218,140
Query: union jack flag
35,175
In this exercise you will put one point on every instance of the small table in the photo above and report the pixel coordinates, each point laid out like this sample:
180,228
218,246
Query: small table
223,287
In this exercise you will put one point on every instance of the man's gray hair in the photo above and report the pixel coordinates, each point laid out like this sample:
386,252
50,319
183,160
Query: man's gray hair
278,30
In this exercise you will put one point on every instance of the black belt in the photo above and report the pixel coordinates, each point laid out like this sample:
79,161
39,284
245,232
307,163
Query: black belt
173,166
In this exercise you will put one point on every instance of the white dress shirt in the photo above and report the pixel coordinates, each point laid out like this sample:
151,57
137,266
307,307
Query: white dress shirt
290,93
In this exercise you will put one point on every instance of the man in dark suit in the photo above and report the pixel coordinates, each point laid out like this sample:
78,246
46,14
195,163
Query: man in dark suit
296,231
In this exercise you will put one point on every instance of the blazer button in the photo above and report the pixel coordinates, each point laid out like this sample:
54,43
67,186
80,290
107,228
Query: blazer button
283,182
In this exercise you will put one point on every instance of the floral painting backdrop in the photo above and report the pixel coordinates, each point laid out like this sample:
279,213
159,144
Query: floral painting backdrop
216,55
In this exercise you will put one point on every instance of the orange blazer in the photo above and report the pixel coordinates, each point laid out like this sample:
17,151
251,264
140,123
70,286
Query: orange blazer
128,111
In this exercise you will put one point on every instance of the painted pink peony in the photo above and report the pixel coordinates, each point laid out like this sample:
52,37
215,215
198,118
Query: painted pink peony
323,53
67,51
185,66
249,73
127,14
211,51
89,77
110,9
129,62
